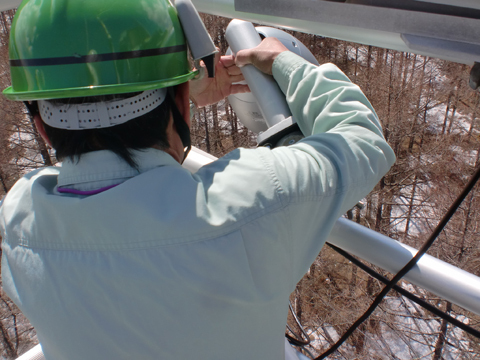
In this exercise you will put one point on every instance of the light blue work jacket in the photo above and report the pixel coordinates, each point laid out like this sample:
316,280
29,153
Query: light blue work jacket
174,265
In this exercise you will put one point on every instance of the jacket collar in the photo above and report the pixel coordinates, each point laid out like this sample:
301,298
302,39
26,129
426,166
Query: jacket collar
104,168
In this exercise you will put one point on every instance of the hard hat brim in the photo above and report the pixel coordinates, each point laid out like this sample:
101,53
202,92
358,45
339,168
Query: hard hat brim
11,94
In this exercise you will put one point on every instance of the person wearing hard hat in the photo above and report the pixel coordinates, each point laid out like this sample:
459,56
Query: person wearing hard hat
120,252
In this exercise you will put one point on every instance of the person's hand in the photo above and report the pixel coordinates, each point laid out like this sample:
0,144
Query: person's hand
261,56
208,91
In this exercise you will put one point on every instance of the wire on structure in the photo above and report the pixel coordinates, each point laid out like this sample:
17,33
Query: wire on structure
408,294
441,225
296,341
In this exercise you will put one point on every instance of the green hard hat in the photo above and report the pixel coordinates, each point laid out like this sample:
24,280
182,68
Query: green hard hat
73,48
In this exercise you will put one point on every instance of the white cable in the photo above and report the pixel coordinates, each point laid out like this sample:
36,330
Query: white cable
101,114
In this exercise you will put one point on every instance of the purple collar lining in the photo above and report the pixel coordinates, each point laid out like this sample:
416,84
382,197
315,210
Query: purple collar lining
81,192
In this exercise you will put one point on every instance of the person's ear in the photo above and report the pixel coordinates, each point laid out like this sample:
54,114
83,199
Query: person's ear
41,129
182,99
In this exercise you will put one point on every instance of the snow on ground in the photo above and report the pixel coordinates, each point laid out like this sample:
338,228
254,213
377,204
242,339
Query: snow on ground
461,123
466,156
405,333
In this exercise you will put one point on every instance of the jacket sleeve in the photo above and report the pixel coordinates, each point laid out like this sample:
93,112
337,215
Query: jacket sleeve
343,156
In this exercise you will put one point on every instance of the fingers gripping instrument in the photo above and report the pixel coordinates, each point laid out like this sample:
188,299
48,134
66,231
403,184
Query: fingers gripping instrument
270,99
264,110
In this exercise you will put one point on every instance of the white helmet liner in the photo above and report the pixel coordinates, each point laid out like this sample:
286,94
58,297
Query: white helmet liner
101,114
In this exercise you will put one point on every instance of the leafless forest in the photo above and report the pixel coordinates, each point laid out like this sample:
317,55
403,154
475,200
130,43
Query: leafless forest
430,118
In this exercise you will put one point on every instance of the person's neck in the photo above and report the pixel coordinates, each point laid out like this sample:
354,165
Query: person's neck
170,152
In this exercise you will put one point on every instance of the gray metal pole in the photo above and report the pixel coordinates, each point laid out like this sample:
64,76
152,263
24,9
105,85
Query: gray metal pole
445,280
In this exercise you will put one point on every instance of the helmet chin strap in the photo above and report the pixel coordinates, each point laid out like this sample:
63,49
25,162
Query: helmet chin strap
182,128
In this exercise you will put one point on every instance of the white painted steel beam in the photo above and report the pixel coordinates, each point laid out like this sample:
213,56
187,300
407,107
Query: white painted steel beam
471,4
34,353
453,38
9,4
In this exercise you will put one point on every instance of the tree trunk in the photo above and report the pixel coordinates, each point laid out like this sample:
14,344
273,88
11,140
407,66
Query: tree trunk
353,281
360,339
298,302
418,105
4,185
368,90
207,132
7,342
217,136
379,216
442,336
474,115
467,216
232,119
356,65
410,207
447,110
390,97
452,117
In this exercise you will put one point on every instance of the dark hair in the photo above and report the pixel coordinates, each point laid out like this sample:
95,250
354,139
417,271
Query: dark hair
137,134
